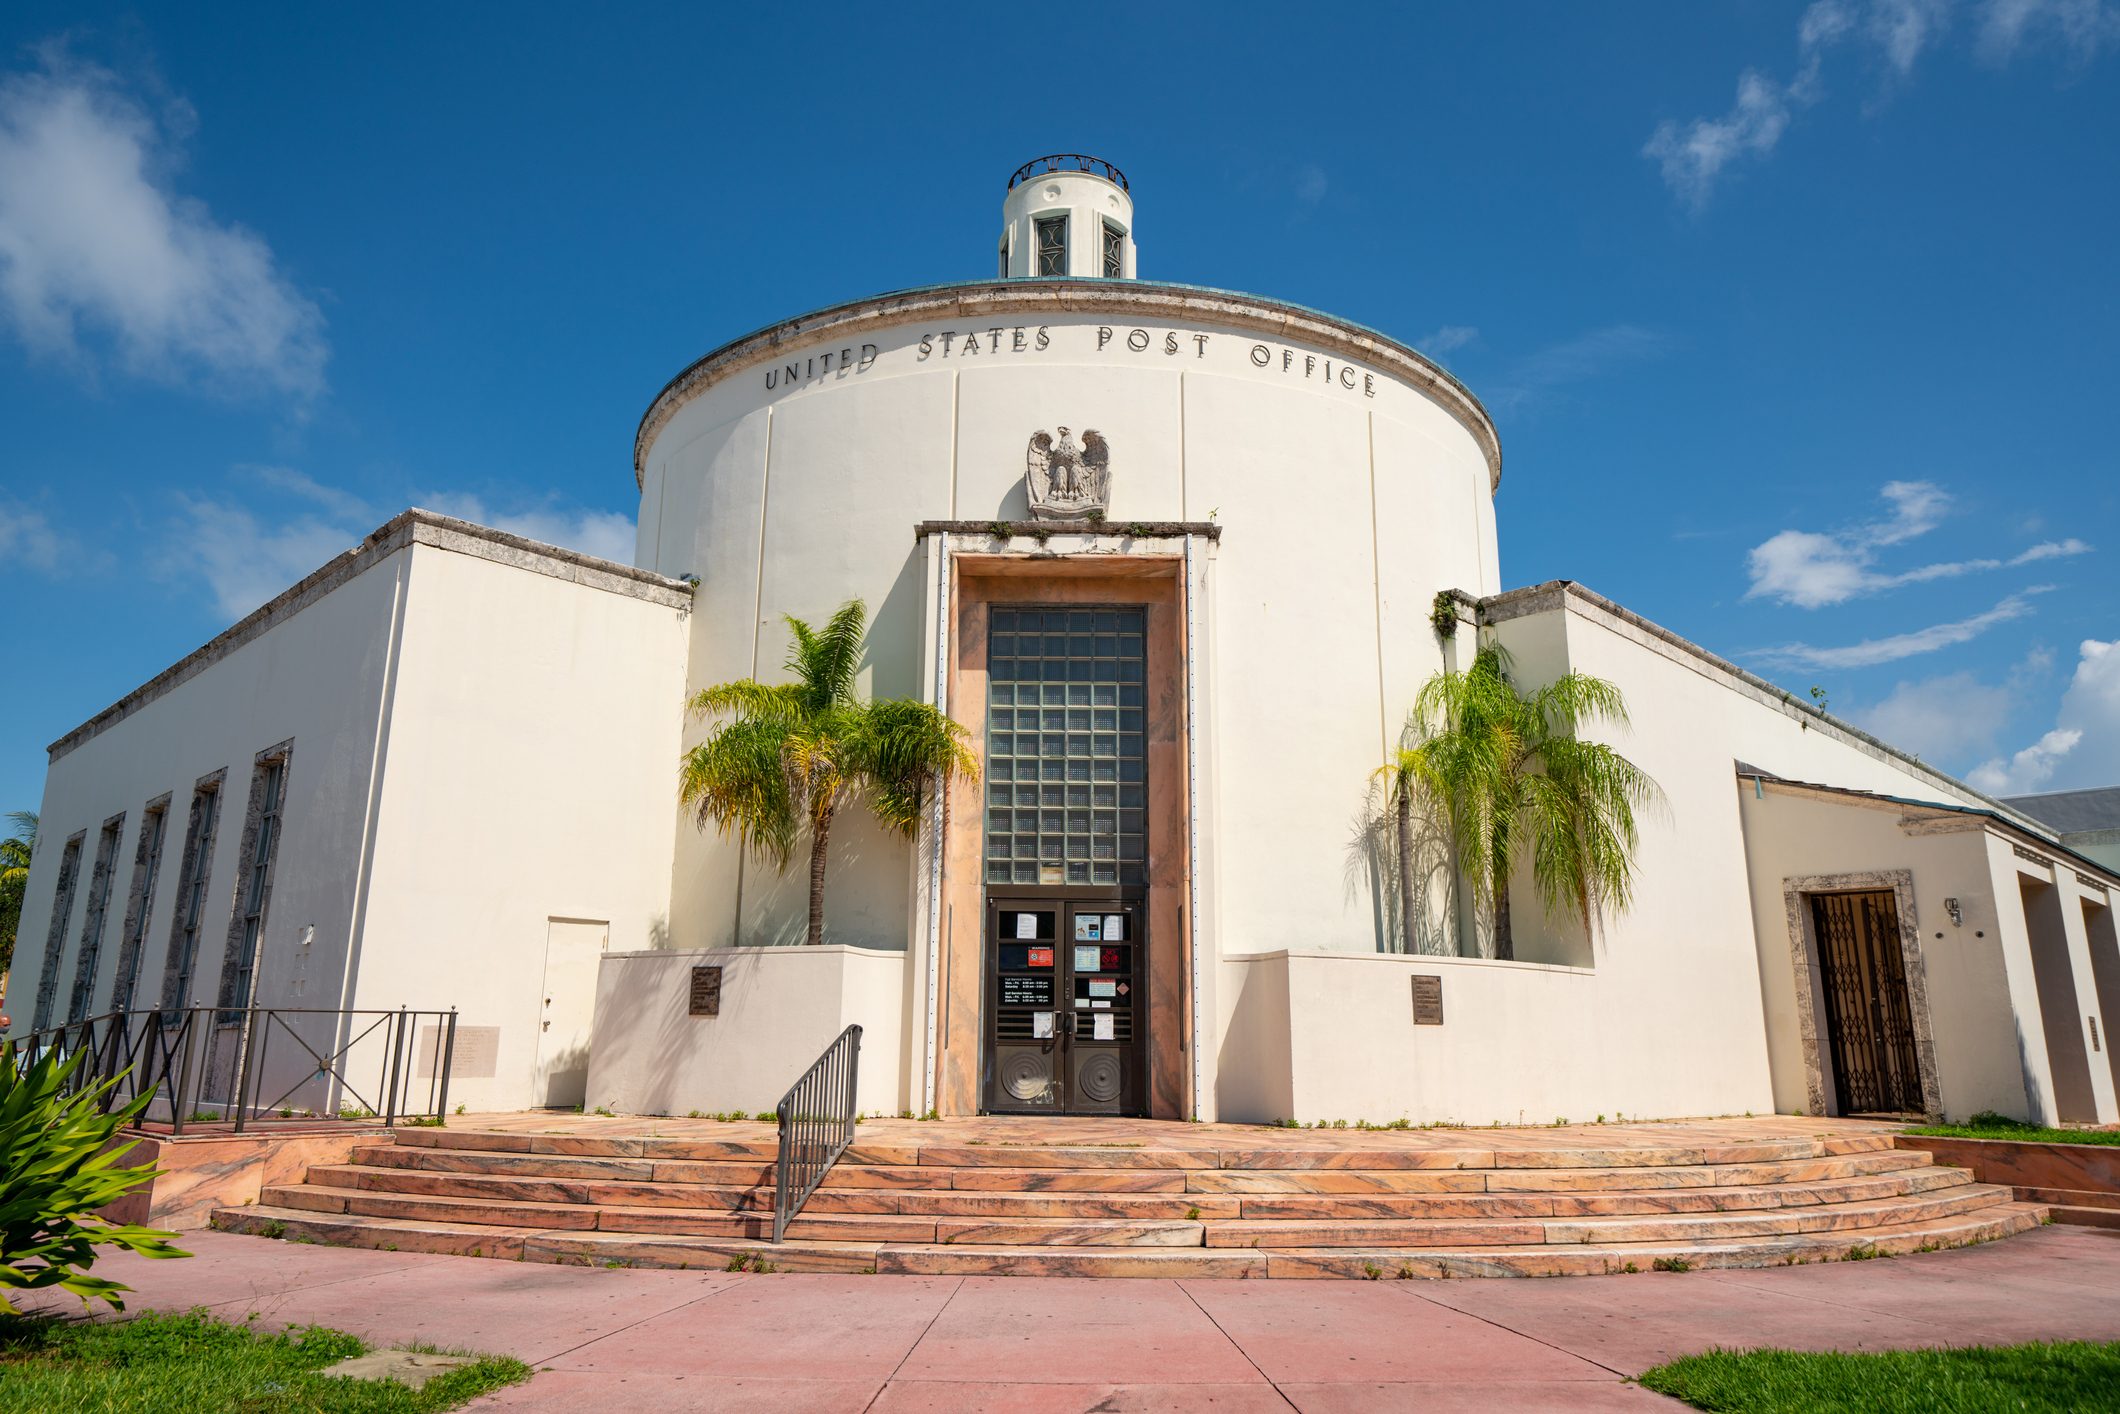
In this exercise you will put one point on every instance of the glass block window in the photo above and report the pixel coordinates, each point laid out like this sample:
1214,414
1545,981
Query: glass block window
1114,252
1052,245
1067,759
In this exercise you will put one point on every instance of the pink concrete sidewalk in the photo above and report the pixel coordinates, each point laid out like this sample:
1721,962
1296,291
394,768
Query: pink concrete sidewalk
648,1341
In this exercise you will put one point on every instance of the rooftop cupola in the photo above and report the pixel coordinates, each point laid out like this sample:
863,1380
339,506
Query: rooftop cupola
1067,214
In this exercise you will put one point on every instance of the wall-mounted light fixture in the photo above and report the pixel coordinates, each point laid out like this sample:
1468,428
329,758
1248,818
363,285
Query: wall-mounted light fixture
1950,906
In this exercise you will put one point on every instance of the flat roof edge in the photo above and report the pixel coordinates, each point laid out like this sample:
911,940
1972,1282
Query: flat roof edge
408,528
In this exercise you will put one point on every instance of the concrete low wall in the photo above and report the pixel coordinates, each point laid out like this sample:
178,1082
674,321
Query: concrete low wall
780,1007
2074,1168
1323,1036
199,1173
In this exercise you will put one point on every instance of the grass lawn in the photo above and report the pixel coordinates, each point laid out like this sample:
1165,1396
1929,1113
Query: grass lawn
2072,1376
191,1364
1995,1127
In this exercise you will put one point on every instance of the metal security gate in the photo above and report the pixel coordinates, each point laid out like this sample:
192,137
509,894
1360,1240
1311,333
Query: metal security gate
1869,1020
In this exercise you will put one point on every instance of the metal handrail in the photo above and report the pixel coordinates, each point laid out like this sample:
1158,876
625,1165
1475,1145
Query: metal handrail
200,1063
816,1125
1070,162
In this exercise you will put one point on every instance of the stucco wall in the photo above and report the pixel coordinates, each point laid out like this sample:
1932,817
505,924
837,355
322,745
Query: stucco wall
317,680
1347,504
1331,1036
529,770
1789,836
780,1008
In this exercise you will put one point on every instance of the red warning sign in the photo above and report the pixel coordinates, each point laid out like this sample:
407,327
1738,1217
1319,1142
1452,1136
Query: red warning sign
1041,957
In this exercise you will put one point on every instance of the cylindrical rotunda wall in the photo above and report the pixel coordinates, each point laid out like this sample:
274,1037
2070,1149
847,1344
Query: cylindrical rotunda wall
1351,480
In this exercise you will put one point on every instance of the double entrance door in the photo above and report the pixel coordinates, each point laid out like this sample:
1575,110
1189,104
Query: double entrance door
1869,1019
1066,1009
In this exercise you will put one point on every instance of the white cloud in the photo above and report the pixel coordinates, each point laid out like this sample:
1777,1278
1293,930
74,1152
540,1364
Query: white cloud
342,504
1891,649
605,534
1693,156
27,540
97,246
2081,28
243,560
1947,718
1812,569
1446,339
2083,748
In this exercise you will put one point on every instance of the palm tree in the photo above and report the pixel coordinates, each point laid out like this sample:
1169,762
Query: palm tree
1509,773
793,755
14,880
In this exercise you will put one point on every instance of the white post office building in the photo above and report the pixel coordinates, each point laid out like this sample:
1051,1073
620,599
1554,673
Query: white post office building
1178,559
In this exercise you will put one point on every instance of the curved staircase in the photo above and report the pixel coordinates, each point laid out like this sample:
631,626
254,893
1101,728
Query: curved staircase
1178,1200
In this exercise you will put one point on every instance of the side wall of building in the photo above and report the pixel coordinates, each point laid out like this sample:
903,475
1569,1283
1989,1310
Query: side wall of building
526,796
315,683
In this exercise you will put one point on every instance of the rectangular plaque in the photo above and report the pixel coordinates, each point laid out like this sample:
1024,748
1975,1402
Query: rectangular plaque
1027,991
706,991
476,1055
1040,957
1427,999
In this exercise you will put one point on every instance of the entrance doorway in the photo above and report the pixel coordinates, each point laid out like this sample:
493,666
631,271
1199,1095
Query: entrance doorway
1868,1016
1066,859
1064,988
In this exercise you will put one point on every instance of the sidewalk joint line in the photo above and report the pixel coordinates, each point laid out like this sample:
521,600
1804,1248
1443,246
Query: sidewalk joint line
1234,1343
947,1302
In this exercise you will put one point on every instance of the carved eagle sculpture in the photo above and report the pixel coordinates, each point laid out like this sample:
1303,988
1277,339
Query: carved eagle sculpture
1066,480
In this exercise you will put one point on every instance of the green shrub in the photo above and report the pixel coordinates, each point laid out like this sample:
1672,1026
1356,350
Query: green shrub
55,1171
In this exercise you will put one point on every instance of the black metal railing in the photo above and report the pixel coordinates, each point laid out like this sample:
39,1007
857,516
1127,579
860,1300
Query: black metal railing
816,1125
1070,162
209,1065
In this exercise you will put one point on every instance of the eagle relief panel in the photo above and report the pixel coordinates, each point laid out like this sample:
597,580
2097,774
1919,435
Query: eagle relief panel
1067,480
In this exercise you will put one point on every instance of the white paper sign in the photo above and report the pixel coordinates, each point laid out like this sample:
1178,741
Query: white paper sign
1103,987
1085,958
1114,927
1102,1028
1026,925
1041,1025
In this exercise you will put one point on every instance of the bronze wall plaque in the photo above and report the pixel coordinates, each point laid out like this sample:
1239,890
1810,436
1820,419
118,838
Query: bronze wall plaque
1427,999
706,991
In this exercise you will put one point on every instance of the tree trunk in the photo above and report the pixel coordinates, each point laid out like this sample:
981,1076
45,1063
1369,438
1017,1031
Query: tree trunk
1504,943
1406,865
819,834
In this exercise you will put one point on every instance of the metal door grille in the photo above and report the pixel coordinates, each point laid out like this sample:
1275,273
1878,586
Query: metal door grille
1868,1016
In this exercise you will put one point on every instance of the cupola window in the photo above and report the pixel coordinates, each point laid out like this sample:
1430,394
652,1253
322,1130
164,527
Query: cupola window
1052,245
1114,252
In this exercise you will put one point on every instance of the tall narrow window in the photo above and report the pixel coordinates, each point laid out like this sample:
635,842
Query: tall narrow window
89,956
261,837
1052,245
55,936
139,903
1004,257
1114,252
191,892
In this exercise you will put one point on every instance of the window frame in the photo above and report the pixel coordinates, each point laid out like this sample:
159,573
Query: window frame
261,848
95,919
55,936
1057,221
188,918
1114,253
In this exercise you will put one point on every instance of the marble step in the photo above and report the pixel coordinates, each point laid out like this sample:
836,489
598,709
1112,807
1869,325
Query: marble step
2108,1218
534,1245
2070,1197
1611,1259
1068,1203
1449,1232
1067,1230
697,1253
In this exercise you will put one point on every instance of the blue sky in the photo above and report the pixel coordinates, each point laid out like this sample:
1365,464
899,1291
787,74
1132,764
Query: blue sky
1801,323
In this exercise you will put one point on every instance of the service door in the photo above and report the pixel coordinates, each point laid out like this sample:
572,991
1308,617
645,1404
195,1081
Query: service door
574,948
1066,1006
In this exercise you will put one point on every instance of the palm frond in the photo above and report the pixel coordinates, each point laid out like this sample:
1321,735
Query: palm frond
747,698
738,782
826,660
907,749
